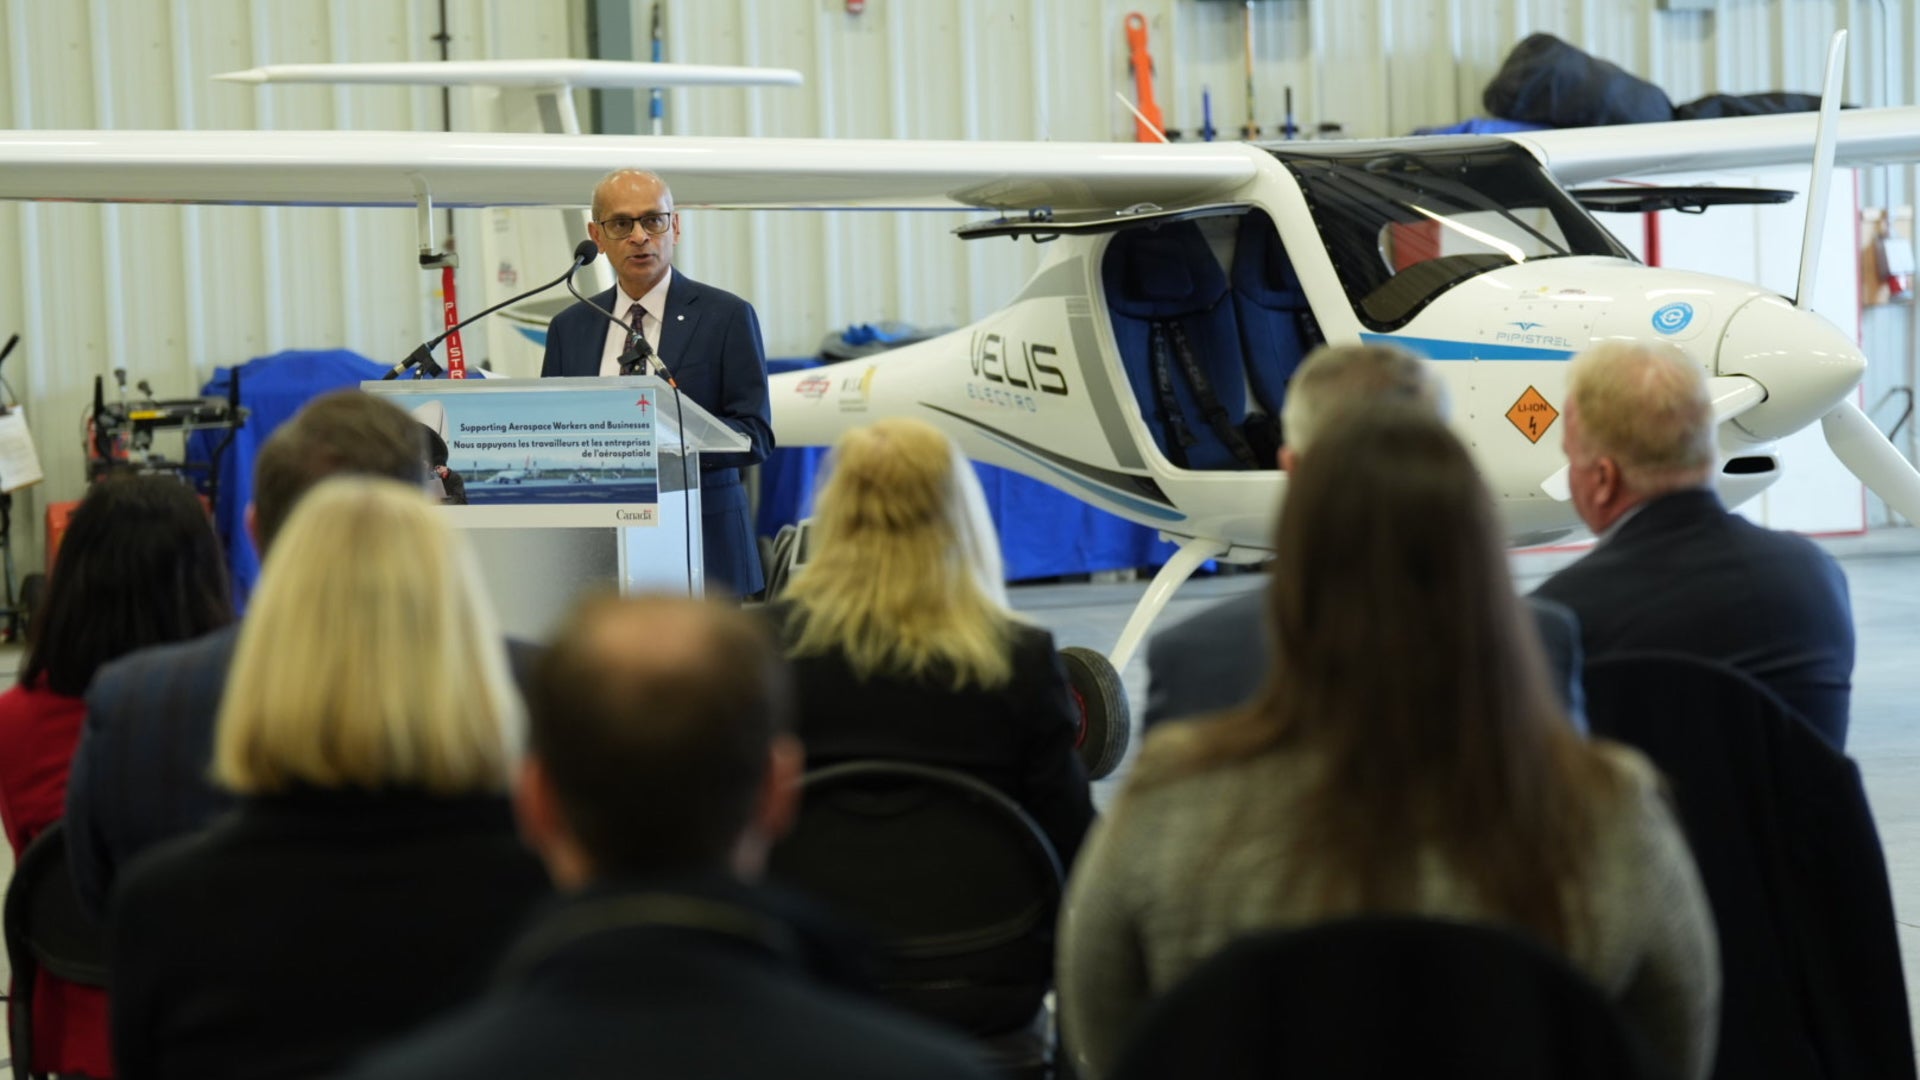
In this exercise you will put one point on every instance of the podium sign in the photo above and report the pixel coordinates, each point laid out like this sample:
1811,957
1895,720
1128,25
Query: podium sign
571,484
573,458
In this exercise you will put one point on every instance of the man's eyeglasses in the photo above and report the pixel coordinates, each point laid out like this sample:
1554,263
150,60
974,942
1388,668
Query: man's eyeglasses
621,226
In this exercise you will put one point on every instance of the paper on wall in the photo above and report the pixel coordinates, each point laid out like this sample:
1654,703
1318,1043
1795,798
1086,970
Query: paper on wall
19,461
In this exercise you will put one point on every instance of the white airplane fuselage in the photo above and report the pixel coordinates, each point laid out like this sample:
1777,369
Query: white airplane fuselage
1039,386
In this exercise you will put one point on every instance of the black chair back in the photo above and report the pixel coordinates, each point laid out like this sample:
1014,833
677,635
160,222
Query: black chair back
1387,998
46,928
956,883
1780,828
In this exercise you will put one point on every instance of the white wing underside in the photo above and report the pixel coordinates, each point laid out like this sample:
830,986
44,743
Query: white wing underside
1865,137
359,168
375,168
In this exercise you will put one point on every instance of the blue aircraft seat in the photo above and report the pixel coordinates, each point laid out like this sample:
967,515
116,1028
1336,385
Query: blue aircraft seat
1163,284
1276,325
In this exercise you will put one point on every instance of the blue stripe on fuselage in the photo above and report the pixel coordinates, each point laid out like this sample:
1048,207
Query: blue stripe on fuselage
1442,349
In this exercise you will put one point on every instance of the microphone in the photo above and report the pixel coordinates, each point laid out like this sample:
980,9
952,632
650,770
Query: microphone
634,360
422,356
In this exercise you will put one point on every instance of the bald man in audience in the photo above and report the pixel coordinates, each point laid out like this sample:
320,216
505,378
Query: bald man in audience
1674,569
656,781
1218,658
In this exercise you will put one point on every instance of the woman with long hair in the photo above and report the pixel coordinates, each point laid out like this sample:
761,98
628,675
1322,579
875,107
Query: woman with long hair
139,565
371,872
1406,756
902,643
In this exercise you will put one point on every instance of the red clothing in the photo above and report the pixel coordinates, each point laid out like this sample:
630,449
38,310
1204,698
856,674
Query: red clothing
38,732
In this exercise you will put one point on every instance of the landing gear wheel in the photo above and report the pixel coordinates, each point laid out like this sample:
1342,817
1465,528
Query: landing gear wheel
1106,723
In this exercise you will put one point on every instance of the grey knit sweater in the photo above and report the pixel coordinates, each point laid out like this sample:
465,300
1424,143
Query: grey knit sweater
1179,869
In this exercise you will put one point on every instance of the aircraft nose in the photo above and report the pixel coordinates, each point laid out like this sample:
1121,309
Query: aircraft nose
1806,365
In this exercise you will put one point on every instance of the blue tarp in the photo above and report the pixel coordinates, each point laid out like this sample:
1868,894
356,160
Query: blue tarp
272,388
1481,125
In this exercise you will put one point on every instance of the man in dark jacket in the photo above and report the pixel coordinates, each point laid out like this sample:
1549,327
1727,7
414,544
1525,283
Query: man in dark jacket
1674,569
657,779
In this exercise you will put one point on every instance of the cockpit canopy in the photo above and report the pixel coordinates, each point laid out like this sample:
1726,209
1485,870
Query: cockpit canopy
1403,225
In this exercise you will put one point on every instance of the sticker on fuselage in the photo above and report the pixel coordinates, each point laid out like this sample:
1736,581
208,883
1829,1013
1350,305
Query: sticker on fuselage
1532,415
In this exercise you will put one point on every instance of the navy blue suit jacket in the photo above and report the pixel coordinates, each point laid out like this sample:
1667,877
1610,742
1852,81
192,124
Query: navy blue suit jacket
1685,575
140,770
710,341
1217,658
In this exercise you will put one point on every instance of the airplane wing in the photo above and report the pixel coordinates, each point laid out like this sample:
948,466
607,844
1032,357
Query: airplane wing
370,168
380,168
587,74
1865,137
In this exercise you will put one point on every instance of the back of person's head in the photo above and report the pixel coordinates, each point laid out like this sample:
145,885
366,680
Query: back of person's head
905,576
1647,407
369,657
139,565
344,432
653,721
1404,668
1335,378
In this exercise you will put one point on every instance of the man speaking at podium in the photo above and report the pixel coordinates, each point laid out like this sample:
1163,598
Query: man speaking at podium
707,339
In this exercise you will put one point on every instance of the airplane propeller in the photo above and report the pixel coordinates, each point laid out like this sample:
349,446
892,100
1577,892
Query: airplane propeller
1763,372
1850,434
1817,200
1868,455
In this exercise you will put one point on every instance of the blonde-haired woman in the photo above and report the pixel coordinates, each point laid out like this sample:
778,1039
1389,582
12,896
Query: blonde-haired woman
901,640
371,873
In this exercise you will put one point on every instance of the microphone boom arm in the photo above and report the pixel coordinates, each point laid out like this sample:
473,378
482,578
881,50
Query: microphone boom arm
422,356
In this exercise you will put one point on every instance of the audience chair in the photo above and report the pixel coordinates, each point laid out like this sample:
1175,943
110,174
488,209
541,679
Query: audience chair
46,928
1786,845
954,881
1385,998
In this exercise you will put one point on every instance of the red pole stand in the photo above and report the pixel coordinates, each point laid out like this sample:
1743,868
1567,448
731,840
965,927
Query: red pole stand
456,356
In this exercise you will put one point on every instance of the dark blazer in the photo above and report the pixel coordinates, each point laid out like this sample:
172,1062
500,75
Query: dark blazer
1217,658
305,928
1780,826
710,341
1684,574
704,980
140,772
1019,737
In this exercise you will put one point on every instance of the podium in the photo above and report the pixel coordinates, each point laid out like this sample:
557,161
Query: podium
571,485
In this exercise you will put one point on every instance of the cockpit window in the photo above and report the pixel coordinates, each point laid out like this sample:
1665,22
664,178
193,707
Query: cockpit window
1404,226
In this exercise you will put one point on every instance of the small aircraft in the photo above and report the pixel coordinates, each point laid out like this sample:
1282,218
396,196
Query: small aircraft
511,475
1182,284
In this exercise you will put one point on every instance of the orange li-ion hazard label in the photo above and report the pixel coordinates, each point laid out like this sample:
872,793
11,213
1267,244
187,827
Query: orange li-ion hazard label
1532,415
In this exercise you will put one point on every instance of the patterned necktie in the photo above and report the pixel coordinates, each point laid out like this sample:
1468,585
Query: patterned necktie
636,341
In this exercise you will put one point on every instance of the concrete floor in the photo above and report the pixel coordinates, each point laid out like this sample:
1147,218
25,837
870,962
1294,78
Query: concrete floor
1883,571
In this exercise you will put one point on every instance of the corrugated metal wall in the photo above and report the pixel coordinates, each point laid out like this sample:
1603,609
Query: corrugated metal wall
169,293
